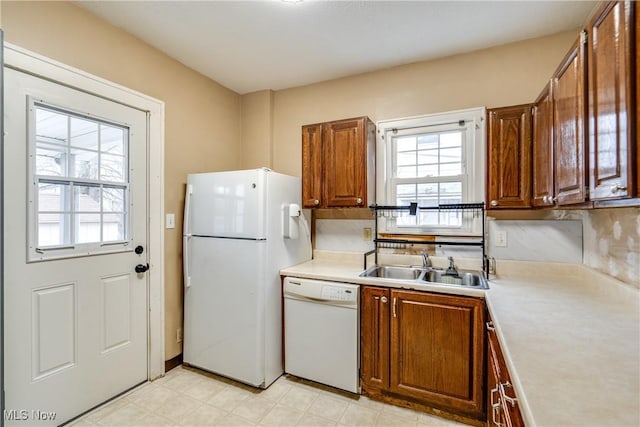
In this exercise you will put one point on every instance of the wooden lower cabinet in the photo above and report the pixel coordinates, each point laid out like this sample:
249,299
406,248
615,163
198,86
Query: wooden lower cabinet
423,347
502,404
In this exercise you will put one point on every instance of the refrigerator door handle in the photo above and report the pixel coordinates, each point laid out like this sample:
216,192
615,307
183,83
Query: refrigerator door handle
186,238
186,261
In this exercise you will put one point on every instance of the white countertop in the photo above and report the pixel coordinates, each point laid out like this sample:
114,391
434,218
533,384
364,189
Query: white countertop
570,336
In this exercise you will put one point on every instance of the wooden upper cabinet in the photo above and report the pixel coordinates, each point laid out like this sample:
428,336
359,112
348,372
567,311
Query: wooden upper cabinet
542,191
437,350
509,157
569,126
611,115
374,333
312,165
338,164
345,163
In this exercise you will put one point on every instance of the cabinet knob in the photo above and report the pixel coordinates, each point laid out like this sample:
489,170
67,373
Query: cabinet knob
494,203
548,199
359,201
316,202
617,187
383,300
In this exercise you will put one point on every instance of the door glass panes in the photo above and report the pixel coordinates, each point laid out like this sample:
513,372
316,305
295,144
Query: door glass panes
81,175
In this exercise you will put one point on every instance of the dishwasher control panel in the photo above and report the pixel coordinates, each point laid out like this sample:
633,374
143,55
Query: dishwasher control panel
335,293
344,294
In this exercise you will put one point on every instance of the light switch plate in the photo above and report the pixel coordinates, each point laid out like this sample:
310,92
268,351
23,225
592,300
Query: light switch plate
170,220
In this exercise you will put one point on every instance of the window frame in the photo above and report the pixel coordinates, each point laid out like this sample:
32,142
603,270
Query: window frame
473,167
73,250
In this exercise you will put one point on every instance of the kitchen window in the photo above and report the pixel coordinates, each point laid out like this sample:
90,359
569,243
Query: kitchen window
80,194
432,160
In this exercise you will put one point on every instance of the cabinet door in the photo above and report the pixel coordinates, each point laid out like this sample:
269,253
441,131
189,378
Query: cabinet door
568,127
509,158
311,166
610,62
345,163
542,188
437,350
501,393
374,330
495,416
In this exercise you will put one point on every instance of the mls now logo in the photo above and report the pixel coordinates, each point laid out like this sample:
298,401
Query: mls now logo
25,415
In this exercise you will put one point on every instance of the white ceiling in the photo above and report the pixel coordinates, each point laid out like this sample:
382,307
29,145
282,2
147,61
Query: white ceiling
254,45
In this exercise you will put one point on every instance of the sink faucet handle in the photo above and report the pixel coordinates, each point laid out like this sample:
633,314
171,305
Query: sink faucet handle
452,267
426,261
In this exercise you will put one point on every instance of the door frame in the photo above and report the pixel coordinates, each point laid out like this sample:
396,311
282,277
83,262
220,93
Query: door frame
32,63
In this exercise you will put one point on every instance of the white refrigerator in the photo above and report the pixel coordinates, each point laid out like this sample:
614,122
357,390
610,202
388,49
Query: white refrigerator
240,229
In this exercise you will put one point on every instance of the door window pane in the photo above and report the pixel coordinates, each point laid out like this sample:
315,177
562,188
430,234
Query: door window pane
51,126
53,197
77,162
86,198
112,168
113,227
53,229
84,134
113,199
87,228
112,140
84,164
51,159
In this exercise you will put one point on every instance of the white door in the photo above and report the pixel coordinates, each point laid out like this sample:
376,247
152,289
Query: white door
75,211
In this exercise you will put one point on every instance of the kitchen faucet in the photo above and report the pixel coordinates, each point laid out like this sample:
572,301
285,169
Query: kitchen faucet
452,270
426,261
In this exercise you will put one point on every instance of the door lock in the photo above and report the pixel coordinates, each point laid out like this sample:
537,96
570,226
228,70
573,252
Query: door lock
141,268
139,249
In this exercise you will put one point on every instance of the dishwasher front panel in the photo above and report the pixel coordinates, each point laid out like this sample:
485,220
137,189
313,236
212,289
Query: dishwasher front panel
322,341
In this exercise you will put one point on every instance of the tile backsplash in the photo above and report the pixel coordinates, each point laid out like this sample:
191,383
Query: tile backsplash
343,235
612,242
536,240
607,240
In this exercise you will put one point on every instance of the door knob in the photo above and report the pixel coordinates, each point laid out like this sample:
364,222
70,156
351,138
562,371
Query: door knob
141,268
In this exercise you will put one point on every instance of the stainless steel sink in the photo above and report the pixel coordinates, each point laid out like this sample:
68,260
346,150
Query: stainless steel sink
393,272
429,275
463,278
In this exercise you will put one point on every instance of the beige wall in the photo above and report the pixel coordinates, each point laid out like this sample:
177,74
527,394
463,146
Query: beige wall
202,126
500,76
257,128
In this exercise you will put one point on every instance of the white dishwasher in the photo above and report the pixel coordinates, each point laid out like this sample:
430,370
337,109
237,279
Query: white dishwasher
322,332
